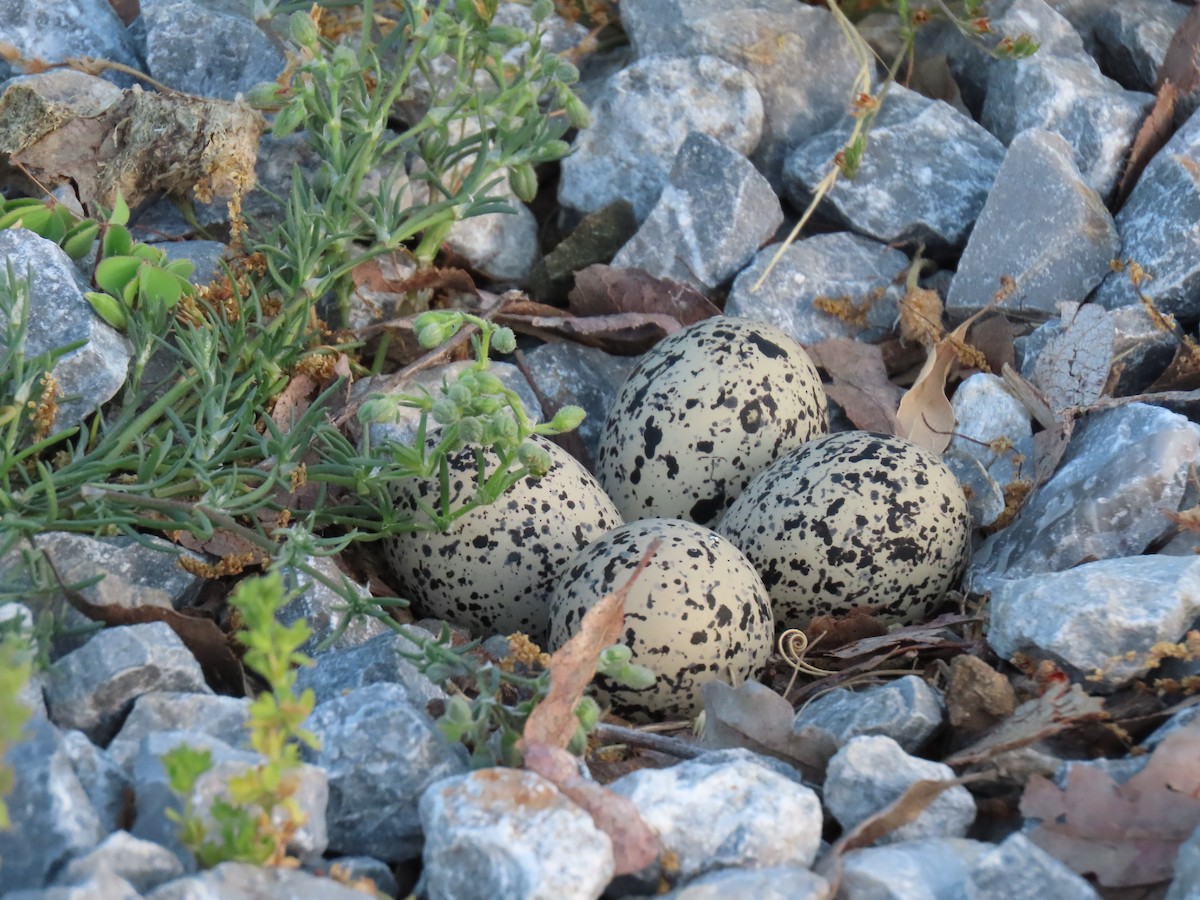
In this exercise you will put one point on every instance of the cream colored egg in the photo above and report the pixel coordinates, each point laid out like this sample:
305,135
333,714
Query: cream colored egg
698,613
853,519
704,412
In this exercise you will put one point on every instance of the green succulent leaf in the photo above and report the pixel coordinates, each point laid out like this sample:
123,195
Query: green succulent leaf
78,242
109,308
159,286
120,211
114,273
117,241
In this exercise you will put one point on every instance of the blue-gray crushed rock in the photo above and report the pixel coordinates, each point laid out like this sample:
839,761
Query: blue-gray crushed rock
907,710
596,239
107,786
510,833
664,26
1042,226
769,883
324,609
1123,467
1158,230
101,885
715,211
65,29
212,48
1097,621
1130,39
220,717
986,416
380,752
143,864
52,817
840,266
206,256
238,881
1060,89
92,688
934,867
643,117
1186,883
358,867
382,659
871,772
985,498
924,178
59,315
1018,869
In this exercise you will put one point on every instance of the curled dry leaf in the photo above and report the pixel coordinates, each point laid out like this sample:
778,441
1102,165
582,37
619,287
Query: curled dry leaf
1125,834
860,383
604,290
1072,369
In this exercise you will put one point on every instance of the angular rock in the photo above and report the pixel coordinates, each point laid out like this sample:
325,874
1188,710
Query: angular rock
510,833
106,785
713,214
642,119
1060,89
985,498
870,773
500,246
54,31
987,415
1121,469
727,809
936,867
1019,869
92,688
212,49
771,883
52,817
367,732
59,315
143,864
1157,226
356,868
924,178
206,256
102,884
1186,883
323,608
570,373
382,659
239,881
155,796
596,239
1099,620
220,717
1042,226
663,26
856,272
1130,39
907,710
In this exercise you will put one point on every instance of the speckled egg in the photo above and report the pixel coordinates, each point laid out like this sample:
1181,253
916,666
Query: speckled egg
853,519
704,412
492,570
698,613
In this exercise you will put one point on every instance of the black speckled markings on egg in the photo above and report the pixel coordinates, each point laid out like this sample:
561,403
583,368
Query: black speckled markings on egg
853,519
491,572
702,413
698,613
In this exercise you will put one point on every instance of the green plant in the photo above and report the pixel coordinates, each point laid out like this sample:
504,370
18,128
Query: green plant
260,814
15,664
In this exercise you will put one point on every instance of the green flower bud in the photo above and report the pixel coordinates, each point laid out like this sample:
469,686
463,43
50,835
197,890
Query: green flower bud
470,430
487,383
288,119
344,61
485,406
445,411
612,657
567,418
536,459
588,712
506,35
523,181
541,10
303,30
460,393
501,427
577,111
551,151
267,95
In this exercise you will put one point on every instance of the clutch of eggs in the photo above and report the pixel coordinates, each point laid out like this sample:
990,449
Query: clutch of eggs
703,412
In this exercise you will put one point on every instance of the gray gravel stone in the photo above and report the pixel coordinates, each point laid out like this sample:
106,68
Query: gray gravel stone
1130,39
871,772
510,833
924,179
54,31
643,117
596,239
570,373
92,688
155,796
220,717
60,315
501,246
1157,226
907,710
1121,469
1186,883
713,214
1088,619
663,26
382,659
324,609
1042,226
145,865
102,885
238,881
206,256
985,498
381,753
52,817
985,412
212,48
771,883
832,266
1018,869
727,810
1060,89
105,783
358,867
925,869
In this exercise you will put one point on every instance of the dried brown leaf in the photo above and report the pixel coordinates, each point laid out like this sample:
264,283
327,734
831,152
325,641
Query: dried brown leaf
572,665
838,631
1152,136
603,290
1125,834
929,636
860,383
1072,369
1051,442
621,333
635,845
1183,373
